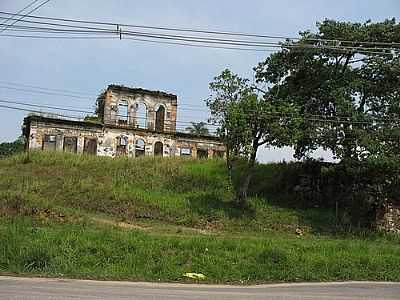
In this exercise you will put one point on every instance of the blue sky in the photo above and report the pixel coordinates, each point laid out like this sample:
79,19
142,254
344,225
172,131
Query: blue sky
89,66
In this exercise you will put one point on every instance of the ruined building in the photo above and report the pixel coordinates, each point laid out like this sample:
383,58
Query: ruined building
131,122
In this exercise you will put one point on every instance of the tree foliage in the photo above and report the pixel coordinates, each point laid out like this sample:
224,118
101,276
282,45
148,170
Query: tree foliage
248,120
8,149
349,100
198,128
336,89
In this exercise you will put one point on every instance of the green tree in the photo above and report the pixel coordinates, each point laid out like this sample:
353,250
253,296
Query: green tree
345,82
8,149
247,120
198,128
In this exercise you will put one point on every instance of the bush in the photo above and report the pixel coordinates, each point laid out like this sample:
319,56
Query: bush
8,149
355,190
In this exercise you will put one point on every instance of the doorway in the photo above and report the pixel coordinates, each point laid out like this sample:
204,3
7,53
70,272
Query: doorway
160,118
158,149
90,146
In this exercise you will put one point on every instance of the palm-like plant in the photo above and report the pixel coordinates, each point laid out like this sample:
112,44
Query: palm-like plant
198,128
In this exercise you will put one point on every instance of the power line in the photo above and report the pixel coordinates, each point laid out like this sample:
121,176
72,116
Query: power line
13,15
155,27
44,105
68,93
60,37
46,88
47,106
149,34
182,38
339,118
45,92
93,30
187,107
182,127
38,112
202,46
136,39
285,116
78,118
25,15
206,31
303,47
200,40
121,33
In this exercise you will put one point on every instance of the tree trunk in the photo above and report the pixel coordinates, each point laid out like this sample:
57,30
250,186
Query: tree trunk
347,144
242,190
245,183
229,164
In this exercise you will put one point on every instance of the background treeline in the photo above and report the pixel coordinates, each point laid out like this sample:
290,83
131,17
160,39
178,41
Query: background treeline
8,149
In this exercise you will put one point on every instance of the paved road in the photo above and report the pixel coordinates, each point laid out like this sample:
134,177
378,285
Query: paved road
46,289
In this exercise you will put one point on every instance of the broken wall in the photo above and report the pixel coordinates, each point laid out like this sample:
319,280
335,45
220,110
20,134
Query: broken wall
133,98
61,137
45,134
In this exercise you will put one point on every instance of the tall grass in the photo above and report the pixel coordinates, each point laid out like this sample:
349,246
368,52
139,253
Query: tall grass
48,200
177,191
87,251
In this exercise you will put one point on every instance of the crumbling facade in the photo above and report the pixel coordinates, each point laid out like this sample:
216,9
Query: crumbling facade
131,122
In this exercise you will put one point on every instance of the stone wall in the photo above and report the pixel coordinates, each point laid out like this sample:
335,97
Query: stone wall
115,141
39,129
388,218
132,98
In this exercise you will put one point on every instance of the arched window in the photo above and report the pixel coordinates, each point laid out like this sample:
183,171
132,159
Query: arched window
139,147
202,153
141,115
122,144
160,118
158,149
123,113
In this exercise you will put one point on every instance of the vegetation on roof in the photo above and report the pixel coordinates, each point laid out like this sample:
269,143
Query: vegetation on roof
141,90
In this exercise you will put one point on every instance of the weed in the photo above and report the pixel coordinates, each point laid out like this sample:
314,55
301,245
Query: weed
48,207
110,253
35,259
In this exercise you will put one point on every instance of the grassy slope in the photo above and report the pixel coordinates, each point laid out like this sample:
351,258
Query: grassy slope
174,191
51,205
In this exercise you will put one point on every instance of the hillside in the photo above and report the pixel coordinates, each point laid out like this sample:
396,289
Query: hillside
155,219
191,193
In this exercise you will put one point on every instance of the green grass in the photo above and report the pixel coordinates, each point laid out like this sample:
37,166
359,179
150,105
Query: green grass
84,250
175,191
57,213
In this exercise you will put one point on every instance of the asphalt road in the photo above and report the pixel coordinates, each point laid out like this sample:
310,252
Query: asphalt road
46,289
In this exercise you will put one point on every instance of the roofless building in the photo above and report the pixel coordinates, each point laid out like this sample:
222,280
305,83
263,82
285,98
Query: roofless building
131,122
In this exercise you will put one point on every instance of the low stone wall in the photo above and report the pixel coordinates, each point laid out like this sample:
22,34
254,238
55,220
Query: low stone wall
388,218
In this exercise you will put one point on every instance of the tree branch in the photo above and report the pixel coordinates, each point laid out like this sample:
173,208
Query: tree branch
358,60
349,55
362,104
338,61
262,143
260,90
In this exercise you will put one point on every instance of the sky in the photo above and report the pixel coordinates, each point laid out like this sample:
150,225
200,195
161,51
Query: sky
88,66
